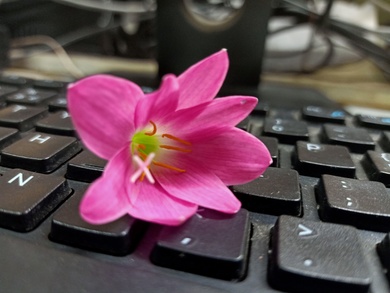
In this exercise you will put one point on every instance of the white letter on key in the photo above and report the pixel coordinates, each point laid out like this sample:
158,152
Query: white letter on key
39,138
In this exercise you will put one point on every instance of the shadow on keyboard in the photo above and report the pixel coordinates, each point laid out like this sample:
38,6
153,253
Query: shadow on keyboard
315,221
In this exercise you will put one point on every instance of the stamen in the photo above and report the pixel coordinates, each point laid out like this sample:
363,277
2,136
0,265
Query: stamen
142,176
153,132
170,136
168,167
169,147
142,155
143,168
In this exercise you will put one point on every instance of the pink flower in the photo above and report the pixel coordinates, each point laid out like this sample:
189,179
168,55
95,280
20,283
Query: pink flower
169,151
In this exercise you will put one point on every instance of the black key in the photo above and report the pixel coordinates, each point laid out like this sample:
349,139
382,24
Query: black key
117,238
356,139
308,256
57,123
7,136
31,96
322,114
85,167
287,131
374,121
243,124
58,103
384,141
363,204
7,89
14,80
284,114
377,166
272,145
261,108
40,152
206,243
49,84
21,117
275,192
383,249
27,198
317,159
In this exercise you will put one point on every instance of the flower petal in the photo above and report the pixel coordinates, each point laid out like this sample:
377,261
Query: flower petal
102,109
106,199
153,204
219,112
159,103
234,155
201,82
199,186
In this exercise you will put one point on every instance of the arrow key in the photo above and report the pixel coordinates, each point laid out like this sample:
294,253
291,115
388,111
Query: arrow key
308,256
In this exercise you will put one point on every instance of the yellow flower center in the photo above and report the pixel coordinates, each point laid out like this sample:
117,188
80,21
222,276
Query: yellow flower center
146,142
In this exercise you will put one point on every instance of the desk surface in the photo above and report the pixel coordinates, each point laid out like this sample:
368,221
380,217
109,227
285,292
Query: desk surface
358,84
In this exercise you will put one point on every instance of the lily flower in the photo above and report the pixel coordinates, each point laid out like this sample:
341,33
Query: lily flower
168,151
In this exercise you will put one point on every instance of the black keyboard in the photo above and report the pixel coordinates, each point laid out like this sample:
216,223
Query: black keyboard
316,221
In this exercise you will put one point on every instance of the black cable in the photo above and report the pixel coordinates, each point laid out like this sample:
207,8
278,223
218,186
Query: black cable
351,33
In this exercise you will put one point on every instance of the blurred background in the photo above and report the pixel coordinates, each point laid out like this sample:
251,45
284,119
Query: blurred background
325,44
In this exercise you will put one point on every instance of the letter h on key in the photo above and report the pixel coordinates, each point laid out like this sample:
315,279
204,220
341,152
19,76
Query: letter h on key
39,138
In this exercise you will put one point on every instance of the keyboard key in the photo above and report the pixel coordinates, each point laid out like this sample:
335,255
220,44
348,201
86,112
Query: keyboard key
31,96
27,198
58,103
363,204
206,243
7,136
21,117
308,256
49,84
317,159
272,145
374,121
322,114
7,89
40,152
383,249
117,238
57,123
14,80
287,131
356,139
85,167
377,166
243,124
284,114
275,192
384,141
262,108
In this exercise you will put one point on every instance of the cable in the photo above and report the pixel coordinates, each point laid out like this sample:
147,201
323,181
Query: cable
351,33
53,45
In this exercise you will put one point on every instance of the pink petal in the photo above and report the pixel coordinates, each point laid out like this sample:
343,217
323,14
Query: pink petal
106,199
153,204
219,112
159,103
102,109
201,82
234,155
199,186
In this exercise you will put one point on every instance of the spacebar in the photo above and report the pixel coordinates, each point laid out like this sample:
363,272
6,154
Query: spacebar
30,268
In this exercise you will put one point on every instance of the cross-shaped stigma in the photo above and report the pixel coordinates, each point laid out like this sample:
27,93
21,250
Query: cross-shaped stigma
143,168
